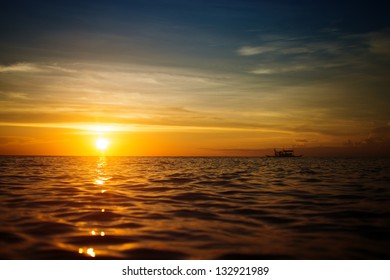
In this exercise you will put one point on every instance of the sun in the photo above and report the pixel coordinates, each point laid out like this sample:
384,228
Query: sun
102,144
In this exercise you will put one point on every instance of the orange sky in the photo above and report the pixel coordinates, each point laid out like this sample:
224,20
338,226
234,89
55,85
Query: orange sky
61,110
181,78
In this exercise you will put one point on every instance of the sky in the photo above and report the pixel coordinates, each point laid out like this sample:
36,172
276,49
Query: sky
170,77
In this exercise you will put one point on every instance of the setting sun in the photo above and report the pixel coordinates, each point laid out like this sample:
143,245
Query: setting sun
102,144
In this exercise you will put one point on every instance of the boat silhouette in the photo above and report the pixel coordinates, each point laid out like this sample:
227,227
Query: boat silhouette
284,153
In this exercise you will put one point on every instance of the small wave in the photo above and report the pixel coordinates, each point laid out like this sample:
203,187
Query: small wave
194,196
153,254
42,228
194,214
11,237
89,241
237,256
100,216
194,208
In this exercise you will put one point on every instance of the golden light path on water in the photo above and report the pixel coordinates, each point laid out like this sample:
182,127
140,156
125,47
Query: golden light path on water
101,178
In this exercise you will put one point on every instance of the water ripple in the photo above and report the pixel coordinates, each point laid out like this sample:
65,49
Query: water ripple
194,208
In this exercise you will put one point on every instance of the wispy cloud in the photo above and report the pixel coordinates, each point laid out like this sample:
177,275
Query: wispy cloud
20,67
114,93
281,69
249,50
380,135
10,140
380,42
277,68
274,48
290,45
168,98
23,67
325,53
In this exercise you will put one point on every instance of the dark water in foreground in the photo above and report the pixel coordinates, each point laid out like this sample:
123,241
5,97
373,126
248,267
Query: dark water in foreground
194,208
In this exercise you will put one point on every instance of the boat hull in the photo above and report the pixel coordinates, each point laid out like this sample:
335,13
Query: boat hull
284,156
284,153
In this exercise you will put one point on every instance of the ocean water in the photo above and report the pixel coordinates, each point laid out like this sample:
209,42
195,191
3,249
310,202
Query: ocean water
194,208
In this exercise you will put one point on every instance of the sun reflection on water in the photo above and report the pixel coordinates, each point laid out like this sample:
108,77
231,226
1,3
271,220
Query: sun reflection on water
102,233
91,252
99,181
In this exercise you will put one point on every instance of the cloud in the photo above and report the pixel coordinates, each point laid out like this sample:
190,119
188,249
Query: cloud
281,69
326,50
281,48
248,50
286,45
150,98
20,96
304,65
117,93
33,68
302,141
380,42
20,67
10,140
380,135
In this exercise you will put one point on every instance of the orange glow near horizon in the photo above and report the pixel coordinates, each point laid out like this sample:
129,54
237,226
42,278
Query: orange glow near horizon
76,142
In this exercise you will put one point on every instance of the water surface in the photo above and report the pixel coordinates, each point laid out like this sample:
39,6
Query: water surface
194,208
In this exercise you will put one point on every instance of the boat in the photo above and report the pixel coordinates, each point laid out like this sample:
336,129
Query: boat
284,153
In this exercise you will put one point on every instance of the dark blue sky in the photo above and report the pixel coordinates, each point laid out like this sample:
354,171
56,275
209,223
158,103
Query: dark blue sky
195,28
